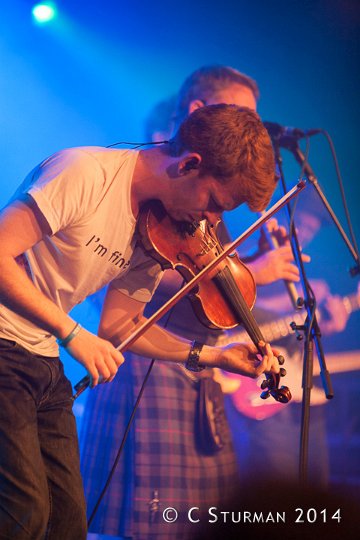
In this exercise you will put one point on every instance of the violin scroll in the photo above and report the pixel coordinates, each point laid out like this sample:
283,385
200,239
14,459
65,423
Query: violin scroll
270,385
282,394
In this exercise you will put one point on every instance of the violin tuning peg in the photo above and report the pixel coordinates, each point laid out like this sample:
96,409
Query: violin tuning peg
264,384
281,360
265,395
282,372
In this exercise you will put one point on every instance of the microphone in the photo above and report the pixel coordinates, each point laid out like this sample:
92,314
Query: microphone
288,136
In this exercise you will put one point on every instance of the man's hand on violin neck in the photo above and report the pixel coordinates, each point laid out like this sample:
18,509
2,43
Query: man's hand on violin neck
242,358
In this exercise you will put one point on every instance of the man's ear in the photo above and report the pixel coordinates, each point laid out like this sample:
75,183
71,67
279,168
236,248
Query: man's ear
189,162
195,104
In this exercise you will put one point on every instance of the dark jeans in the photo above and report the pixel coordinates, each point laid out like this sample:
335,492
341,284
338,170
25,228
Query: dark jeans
41,494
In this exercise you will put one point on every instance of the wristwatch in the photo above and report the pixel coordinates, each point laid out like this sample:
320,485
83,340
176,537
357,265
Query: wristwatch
192,363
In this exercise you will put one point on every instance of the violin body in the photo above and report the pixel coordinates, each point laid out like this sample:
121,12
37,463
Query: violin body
225,296
188,248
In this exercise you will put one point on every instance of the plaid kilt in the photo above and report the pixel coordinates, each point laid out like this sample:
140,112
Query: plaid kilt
161,458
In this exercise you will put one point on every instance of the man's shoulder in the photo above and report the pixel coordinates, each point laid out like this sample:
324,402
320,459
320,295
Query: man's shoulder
89,155
76,153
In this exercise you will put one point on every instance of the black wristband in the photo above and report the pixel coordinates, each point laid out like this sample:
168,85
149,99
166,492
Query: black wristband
192,363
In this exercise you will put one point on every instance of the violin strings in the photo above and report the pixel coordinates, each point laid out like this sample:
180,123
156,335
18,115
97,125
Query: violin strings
234,296
228,285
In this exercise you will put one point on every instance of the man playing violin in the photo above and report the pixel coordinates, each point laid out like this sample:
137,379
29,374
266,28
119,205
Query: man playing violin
71,229
171,459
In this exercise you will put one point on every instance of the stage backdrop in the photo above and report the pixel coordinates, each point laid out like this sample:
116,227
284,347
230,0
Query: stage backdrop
91,75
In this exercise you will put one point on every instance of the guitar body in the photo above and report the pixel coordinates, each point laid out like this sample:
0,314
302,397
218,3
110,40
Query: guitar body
245,392
246,395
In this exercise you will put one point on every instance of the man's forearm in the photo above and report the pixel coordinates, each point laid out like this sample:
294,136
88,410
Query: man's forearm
163,345
121,315
18,293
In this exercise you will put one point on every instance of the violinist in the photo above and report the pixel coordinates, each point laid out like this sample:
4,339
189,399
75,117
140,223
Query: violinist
172,460
69,230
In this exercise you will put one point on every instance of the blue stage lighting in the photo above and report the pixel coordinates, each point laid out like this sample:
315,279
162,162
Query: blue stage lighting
44,12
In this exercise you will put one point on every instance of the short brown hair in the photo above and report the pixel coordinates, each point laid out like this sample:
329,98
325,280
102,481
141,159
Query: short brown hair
206,82
233,143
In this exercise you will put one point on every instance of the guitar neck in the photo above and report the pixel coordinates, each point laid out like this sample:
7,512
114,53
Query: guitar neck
280,328
272,331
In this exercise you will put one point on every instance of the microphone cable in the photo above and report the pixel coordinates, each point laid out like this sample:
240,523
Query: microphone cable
143,385
126,432
342,190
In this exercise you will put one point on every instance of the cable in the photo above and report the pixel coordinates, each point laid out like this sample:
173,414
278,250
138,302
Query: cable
138,399
127,430
342,190
119,452
137,144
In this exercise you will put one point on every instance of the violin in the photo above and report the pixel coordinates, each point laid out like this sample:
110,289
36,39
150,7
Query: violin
270,385
225,296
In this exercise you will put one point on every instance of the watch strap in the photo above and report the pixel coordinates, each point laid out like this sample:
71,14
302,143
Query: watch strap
192,363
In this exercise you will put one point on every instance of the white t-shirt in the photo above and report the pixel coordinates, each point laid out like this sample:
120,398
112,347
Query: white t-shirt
85,196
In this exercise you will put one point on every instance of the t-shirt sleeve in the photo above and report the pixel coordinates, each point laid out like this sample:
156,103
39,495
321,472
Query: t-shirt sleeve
65,187
142,278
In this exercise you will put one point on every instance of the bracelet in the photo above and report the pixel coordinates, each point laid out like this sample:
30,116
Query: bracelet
64,342
192,363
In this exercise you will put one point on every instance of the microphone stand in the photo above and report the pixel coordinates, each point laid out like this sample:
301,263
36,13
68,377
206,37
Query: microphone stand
310,328
292,145
312,334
